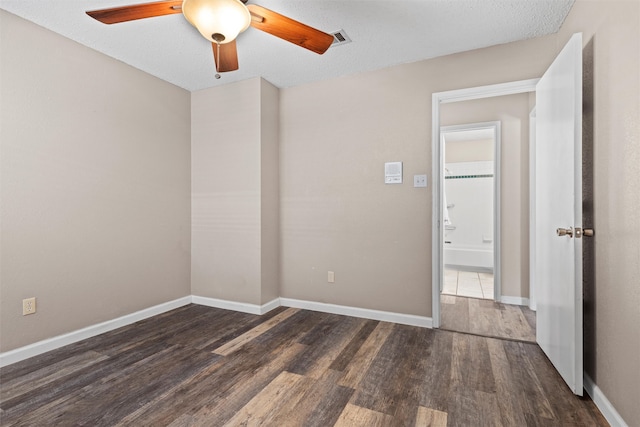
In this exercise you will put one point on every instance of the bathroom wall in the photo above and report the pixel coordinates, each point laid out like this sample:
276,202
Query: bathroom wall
468,236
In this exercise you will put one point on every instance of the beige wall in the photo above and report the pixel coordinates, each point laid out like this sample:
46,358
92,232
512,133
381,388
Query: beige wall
59,233
270,191
95,186
234,170
513,114
478,150
337,214
611,35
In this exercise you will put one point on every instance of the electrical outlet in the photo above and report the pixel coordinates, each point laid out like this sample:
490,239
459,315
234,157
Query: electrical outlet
28,306
331,277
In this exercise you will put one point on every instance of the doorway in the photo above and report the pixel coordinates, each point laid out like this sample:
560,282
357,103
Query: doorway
471,200
438,194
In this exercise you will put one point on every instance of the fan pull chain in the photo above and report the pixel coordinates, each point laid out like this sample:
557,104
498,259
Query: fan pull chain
217,58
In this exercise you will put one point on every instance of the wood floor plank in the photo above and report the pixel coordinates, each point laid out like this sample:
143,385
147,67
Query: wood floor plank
319,405
258,330
45,375
229,331
437,379
391,382
292,411
268,401
222,406
516,325
228,388
359,365
533,399
463,409
329,340
125,390
174,401
480,319
350,350
569,409
204,329
487,318
488,409
455,317
353,415
101,342
430,418
61,387
511,411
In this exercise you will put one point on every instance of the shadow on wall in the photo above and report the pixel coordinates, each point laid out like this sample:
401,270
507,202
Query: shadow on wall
588,219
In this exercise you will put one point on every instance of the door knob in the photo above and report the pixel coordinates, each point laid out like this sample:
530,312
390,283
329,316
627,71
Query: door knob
586,232
565,231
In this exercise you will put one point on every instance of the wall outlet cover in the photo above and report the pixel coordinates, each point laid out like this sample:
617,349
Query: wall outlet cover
28,306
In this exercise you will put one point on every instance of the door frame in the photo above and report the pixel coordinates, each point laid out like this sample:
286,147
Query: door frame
437,170
496,127
532,209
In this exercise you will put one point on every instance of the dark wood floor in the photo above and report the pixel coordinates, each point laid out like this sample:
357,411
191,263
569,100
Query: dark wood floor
487,318
204,366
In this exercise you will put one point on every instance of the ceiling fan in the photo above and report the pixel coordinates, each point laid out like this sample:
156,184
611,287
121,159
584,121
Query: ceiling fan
220,22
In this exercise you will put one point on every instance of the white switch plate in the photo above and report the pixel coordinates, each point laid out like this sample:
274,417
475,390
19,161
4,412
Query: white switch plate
331,277
419,180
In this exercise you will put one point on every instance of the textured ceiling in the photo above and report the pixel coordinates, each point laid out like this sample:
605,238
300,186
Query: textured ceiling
383,33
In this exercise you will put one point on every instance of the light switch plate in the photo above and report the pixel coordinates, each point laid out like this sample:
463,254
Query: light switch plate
419,180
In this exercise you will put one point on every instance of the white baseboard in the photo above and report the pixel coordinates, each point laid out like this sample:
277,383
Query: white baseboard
606,408
514,300
236,306
385,316
31,350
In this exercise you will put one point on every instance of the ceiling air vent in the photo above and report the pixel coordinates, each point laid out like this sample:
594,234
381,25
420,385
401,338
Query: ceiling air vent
340,37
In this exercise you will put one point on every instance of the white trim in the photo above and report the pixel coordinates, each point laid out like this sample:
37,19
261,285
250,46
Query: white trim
606,408
242,307
514,300
532,210
31,350
384,316
271,305
438,98
489,91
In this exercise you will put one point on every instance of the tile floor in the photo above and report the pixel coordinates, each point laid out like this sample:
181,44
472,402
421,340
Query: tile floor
468,284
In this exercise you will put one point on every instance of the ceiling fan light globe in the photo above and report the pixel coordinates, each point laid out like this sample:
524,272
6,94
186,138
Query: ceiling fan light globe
213,18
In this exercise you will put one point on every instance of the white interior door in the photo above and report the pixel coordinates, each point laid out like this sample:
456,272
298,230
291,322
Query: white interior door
558,192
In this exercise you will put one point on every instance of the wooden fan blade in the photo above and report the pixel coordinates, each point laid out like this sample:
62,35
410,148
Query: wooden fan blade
136,11
289,29
227,57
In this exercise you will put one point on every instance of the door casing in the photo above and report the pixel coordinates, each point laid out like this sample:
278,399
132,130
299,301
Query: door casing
437,229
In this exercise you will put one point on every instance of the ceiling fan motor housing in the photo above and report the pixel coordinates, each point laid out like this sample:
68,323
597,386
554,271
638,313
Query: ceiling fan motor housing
219,21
